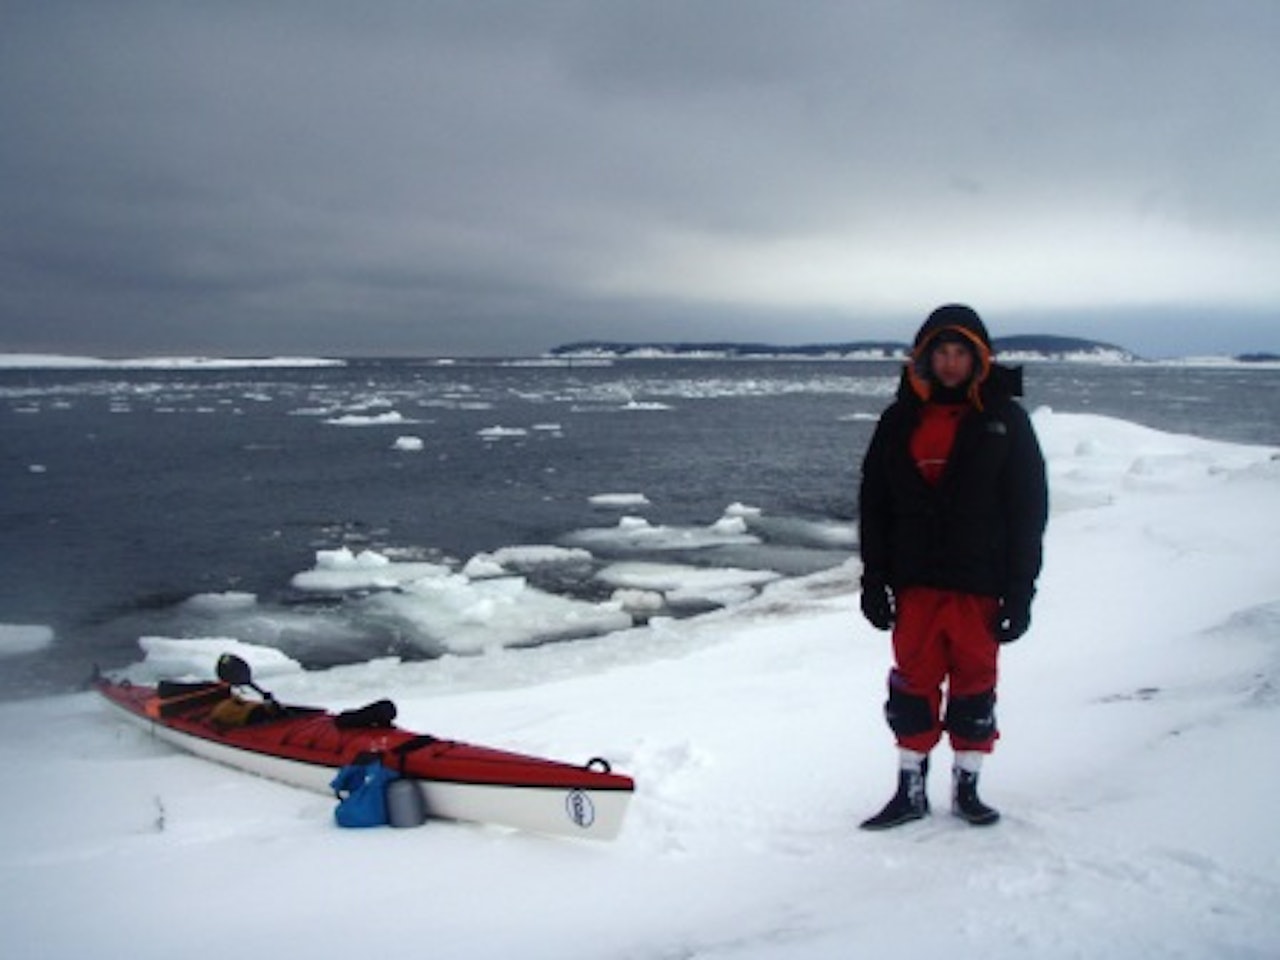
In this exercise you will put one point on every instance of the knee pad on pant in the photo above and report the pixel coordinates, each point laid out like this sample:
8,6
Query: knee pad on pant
907,713
972,718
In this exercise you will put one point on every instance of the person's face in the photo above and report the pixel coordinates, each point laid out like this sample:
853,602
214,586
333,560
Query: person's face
952,364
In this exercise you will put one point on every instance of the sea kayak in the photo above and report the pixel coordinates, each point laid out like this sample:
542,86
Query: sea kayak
305,747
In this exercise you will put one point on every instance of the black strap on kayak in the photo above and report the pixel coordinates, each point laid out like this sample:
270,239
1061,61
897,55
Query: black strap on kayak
409,746
380,713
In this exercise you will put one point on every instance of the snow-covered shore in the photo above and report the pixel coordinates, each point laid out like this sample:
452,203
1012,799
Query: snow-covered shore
1135,773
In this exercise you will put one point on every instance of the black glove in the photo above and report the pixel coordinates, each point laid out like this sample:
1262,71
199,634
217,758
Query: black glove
1014,618
877,603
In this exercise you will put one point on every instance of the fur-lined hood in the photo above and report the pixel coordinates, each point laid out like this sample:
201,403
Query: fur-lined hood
990,379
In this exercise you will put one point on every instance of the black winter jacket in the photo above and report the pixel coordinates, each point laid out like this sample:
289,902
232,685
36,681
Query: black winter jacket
980,530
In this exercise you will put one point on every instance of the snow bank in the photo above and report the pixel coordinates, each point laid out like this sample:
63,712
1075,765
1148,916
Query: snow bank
623,500
198,659
458,614
638,534
18,639
1134,771
502,433
341,570
392,418
532,556
682,585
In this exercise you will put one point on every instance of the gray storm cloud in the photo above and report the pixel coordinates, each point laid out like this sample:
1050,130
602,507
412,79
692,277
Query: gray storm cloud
502,176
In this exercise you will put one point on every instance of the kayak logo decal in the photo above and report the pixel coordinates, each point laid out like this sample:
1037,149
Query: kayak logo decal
580,809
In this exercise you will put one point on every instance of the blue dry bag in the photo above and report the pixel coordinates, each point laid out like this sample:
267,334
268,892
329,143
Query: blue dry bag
361,788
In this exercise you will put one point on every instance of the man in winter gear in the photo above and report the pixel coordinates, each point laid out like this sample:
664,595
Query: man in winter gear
952,511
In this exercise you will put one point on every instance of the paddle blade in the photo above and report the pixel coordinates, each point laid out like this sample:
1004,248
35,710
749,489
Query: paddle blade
233,670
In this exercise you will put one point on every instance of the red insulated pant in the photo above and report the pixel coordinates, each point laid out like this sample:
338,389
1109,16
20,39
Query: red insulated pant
942,637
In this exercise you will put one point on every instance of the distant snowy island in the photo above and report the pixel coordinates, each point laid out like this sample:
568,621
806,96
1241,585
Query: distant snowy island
1030,348
1017,349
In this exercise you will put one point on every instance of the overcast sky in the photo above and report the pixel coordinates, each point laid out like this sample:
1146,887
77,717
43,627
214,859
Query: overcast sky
501,176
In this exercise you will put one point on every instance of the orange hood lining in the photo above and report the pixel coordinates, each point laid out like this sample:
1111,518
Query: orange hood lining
918,379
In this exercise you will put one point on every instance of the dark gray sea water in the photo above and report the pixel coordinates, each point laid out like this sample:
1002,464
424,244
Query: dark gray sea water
123,494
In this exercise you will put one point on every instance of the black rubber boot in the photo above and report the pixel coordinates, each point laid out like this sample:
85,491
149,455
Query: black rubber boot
965,802
911,802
